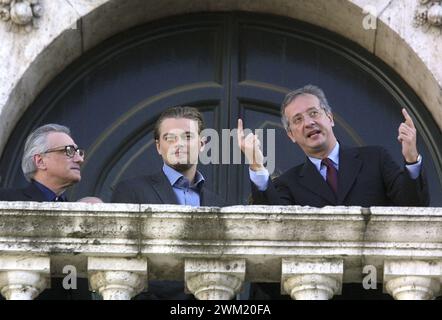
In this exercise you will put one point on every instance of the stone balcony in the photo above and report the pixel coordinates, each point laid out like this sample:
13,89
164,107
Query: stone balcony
311,252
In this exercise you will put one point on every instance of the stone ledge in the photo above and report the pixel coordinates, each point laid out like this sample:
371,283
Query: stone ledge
262,235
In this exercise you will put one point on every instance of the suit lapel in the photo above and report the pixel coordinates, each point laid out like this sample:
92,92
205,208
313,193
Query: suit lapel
310,178
203,198
207,198
162,187
349,167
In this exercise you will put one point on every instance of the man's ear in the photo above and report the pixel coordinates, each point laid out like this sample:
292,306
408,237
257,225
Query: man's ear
39,162
157,144
332,120
203,141
291,136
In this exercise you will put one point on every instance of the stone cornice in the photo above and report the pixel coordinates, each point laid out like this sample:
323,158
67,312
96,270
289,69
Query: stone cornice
168,234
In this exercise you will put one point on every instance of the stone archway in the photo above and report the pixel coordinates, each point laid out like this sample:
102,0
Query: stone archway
29,61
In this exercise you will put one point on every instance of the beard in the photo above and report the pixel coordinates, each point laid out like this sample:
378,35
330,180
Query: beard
181,167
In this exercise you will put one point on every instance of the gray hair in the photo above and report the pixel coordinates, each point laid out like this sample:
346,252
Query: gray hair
308,89
37,143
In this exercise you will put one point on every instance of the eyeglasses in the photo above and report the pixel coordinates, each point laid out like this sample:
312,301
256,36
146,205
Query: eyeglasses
69,150
313,113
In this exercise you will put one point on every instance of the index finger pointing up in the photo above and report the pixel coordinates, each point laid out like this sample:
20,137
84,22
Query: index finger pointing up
408,120
240,130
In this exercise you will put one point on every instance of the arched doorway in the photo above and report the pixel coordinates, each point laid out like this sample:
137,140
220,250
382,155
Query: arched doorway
228,65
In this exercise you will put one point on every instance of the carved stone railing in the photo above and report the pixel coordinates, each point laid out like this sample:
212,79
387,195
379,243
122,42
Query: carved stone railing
311,252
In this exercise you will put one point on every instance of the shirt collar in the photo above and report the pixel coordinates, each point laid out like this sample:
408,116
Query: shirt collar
176,179
48,193
333,156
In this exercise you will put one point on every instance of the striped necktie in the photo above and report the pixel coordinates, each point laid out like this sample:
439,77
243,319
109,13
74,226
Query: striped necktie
332,175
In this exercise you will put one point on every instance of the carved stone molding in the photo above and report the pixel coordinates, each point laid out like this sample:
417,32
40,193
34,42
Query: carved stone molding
102,240
117,278
311,279
413,279
413,288
428,13
214,279
21,14
23,277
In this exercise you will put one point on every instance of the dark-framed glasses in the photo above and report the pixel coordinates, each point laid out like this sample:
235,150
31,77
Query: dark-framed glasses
312,113
69,150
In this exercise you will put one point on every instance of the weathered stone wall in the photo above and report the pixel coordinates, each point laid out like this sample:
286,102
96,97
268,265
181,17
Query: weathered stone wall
31,57
120,246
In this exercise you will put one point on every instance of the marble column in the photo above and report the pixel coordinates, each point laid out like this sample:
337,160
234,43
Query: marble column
117,278
413,280
23,277
214,279
311,279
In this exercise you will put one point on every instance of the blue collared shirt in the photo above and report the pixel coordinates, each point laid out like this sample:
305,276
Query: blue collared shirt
49,195
187,193
261,178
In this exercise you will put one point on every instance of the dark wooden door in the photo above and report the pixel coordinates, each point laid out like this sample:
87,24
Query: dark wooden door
228,65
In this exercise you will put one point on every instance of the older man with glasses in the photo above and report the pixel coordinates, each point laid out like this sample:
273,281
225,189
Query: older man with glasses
51,163
333,174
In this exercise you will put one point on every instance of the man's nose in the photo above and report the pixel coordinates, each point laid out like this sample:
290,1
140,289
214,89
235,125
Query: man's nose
309,121
180,141
78,158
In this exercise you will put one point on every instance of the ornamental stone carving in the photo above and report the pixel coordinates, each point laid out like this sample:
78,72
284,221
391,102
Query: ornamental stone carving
23,277
212,279
21,14
413,279
117,278
311,279
428,13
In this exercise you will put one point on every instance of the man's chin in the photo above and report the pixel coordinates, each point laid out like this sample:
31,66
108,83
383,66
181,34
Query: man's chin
181,167
316,142
75,179
316,146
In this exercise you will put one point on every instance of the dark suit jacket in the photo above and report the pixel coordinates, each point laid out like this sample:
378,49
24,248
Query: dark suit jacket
367,176
156,189
29,193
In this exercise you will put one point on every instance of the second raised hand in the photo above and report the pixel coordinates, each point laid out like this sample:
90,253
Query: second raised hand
251,147
407,137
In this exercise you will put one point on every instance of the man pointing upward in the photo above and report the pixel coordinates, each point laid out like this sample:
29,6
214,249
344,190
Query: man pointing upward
333,174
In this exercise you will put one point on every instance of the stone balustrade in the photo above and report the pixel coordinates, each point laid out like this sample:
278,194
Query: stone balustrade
311,252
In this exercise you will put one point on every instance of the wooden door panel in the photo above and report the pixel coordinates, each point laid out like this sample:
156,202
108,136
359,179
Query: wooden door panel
228,65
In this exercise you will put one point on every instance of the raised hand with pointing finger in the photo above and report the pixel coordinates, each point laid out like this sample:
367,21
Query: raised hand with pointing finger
407,137
251,147
334,173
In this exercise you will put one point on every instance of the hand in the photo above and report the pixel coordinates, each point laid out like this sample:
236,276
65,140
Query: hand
407,137
251,147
